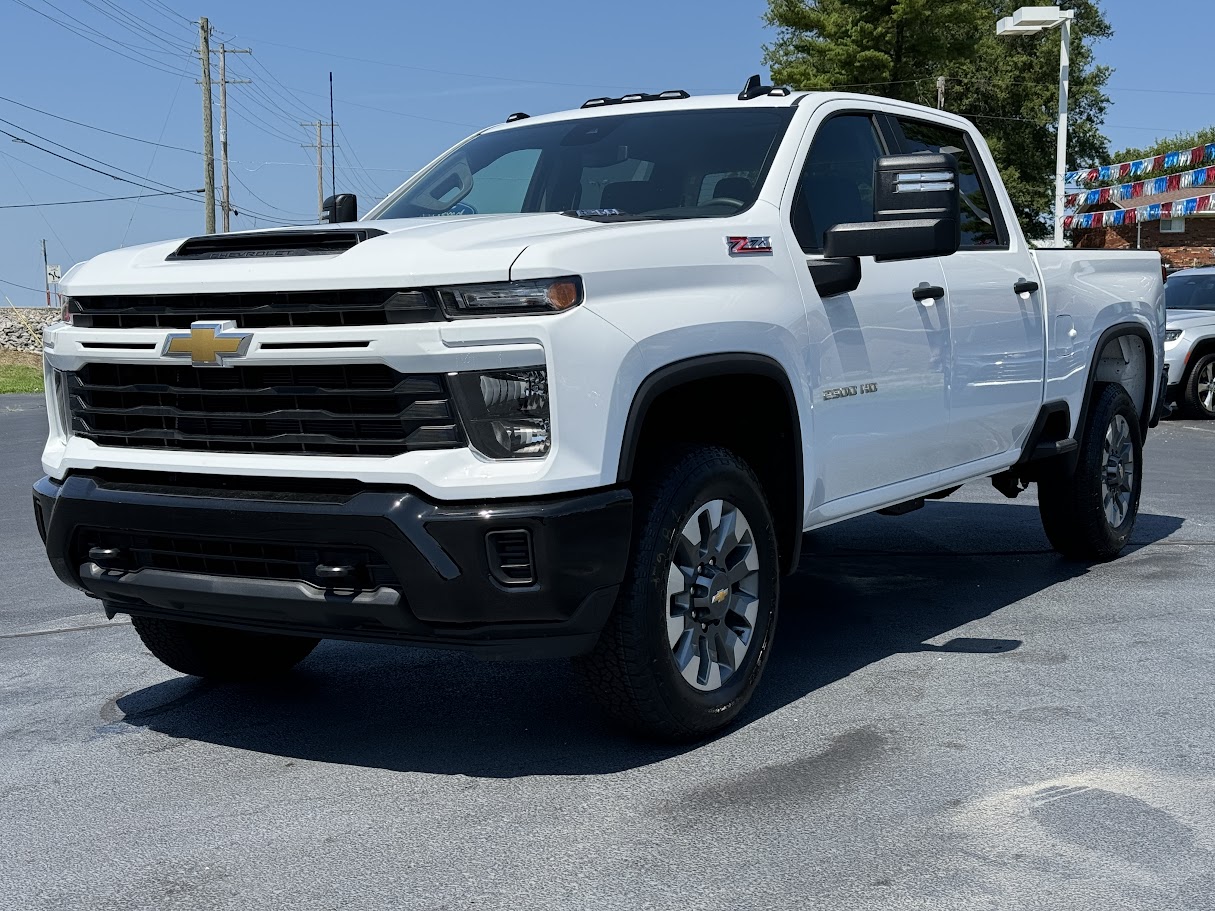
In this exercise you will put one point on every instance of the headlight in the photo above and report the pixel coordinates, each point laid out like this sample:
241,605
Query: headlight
549,295
505,412
1171,335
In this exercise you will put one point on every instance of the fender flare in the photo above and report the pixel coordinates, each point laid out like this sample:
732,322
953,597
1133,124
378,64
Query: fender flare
1145,408
708,366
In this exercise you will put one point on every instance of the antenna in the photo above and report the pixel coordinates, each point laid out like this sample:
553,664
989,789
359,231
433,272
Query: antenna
332,149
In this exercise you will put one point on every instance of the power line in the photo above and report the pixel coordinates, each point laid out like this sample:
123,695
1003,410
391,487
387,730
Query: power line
78,202
168,12
60,145
89,126
80,164
86,37
5,281
267,204
41,214
67,180
137,31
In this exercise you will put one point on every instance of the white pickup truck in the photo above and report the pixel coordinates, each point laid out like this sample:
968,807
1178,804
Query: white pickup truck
591,409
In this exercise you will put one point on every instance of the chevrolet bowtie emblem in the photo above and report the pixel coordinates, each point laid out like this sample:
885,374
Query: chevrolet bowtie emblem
721,596
208,344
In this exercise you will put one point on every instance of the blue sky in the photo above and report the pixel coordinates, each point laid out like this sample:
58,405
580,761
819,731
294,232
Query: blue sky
443,70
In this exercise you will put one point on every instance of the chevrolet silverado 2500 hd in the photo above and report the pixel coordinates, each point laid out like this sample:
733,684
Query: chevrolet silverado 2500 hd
578,387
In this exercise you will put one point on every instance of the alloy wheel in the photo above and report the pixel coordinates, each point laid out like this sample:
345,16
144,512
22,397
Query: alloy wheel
1206,387
713,595
1118,481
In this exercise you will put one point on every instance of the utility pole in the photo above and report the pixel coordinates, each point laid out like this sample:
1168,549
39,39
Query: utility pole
204,38
320,147
225,199
940,93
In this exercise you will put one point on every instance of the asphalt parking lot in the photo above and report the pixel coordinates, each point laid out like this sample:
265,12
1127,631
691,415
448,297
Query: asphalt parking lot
953,718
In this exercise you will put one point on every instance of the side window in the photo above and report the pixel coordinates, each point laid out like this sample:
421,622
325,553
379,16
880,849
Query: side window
836,186
979,227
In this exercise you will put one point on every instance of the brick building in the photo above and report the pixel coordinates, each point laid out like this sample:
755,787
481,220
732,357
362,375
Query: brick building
1182,242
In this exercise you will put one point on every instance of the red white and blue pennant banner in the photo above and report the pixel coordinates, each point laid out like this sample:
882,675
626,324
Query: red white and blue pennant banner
1178,159
1199,177
1176,209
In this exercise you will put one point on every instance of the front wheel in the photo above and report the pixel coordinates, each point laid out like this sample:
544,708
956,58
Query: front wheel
1089,515
689,636
217,653
1198,394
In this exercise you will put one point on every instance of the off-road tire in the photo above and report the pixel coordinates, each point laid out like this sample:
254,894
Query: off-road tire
1194,401
217,653
632,673
1073,506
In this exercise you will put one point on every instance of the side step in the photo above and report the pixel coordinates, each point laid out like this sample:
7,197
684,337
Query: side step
1052,448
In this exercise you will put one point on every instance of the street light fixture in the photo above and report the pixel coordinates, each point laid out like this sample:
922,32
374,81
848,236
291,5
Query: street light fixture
1030,20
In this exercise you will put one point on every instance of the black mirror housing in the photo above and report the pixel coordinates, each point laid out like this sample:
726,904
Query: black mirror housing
915,208
340,208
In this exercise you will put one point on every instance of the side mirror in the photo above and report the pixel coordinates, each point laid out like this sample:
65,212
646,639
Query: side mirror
915,209
343,207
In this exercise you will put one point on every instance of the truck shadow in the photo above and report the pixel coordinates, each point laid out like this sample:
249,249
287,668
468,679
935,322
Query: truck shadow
866,590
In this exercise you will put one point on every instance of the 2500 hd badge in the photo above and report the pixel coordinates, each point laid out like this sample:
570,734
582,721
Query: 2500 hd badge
844,392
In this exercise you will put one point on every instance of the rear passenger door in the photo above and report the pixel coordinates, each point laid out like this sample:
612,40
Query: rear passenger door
878,356
997,334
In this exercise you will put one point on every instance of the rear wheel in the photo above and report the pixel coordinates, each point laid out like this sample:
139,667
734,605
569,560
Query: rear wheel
218,653
689,636
1089,515
1198,395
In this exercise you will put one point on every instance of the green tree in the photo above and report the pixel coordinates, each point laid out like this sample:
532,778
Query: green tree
1007,85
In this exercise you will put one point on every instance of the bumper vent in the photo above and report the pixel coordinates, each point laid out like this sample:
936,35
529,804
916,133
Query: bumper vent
355,410
235,559
510,556
262,310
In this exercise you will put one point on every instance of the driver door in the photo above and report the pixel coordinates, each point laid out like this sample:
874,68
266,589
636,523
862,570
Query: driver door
879,355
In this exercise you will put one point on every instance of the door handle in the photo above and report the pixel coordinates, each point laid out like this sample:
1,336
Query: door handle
1025,286
931,293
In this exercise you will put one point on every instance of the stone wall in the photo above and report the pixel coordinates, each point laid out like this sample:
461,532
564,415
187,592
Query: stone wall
14,334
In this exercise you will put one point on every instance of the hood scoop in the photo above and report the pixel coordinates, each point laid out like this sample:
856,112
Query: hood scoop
272,244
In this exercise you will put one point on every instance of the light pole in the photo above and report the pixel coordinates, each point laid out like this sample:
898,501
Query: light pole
1029,20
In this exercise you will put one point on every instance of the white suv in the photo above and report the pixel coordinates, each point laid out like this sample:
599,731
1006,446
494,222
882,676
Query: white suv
578,388
1189,341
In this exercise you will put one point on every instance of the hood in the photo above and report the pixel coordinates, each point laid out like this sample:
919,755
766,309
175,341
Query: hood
407,252
1179,319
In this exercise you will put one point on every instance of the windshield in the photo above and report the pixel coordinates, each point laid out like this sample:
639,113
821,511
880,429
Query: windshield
673,164
1190,292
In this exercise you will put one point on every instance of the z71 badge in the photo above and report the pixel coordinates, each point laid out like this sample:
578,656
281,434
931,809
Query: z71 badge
739,246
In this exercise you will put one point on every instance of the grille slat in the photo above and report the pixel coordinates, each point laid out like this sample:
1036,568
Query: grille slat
364,409
258,310
236,558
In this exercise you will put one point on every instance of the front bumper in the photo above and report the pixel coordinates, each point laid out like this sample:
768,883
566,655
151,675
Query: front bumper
443,591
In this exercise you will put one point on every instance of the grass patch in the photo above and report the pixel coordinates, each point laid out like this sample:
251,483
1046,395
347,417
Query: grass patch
20,371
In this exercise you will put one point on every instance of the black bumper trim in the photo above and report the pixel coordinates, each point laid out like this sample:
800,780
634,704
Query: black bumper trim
448,596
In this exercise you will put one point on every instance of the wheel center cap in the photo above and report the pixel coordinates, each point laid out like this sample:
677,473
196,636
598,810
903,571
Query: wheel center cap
719,595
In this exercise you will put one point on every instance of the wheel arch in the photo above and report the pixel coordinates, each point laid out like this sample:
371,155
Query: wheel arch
1099,373
789,504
